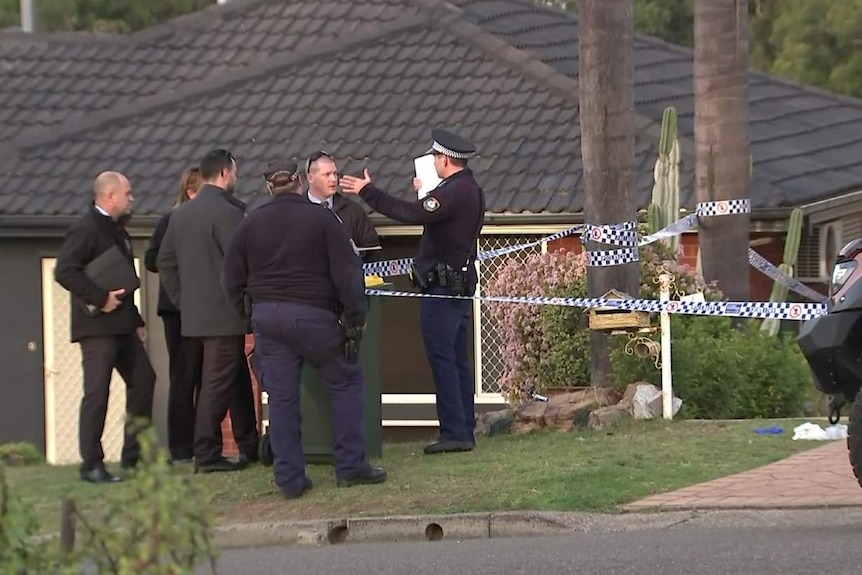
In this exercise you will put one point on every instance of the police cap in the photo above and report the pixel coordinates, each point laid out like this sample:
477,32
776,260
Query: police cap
281,172
451,145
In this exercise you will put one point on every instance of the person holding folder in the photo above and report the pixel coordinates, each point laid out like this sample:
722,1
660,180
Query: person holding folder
96,266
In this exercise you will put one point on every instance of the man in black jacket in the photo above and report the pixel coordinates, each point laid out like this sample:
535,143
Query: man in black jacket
112,337
189,263
293,261
322,175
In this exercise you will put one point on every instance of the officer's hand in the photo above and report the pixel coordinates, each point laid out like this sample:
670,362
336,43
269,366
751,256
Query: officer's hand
417,184
353,185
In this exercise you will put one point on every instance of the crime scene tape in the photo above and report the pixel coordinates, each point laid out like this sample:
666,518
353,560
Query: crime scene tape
761,310
625,234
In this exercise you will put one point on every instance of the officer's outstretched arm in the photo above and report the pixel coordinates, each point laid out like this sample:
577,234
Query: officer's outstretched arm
345,269
433,208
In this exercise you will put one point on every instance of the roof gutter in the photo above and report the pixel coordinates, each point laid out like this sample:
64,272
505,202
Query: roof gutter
833,208
764,220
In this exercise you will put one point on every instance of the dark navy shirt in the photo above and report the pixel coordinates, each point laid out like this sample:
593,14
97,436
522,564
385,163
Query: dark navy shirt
452,216
292,250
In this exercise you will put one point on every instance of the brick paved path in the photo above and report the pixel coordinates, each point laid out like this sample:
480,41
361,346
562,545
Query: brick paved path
818,477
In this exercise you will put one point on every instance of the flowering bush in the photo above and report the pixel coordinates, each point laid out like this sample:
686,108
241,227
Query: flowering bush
719,372
548,346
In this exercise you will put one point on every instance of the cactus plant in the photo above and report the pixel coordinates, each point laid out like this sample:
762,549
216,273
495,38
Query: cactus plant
791,251
664,209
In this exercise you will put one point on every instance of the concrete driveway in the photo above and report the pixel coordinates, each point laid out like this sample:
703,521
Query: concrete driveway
820,477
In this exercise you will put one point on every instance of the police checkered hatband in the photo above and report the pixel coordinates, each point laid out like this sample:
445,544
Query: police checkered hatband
438,147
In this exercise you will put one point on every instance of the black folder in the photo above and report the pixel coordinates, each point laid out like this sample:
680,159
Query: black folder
111,271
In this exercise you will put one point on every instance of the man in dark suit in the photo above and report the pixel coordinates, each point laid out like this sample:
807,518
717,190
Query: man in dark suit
190,264
112,335
322,175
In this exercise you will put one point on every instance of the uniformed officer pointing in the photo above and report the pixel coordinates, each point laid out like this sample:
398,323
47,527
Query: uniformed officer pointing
294,262
452,215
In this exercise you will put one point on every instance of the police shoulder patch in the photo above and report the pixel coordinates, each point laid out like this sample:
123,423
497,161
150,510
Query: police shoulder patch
431,204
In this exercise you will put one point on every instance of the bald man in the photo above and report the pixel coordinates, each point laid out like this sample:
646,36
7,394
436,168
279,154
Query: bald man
106,325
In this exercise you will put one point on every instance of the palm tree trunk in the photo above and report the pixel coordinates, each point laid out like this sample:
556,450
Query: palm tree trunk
721,138
606,95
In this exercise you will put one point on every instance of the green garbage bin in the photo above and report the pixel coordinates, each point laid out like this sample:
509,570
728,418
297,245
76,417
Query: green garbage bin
314,400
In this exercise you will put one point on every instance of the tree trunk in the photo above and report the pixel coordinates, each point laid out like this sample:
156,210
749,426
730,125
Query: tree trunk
606,95
721,139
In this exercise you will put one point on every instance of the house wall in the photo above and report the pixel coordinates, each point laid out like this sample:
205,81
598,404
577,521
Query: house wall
22,409
770,246
27,334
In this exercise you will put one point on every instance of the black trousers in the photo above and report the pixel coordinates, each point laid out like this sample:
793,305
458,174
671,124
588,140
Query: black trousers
185,365
99,357
225,383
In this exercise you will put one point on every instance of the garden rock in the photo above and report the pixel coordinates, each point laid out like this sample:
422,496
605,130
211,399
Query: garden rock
563,411
493,423
647,402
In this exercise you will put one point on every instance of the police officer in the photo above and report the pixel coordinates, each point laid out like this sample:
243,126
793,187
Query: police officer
452,216
294,264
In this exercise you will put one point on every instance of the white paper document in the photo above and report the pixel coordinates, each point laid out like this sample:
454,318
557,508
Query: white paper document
427,174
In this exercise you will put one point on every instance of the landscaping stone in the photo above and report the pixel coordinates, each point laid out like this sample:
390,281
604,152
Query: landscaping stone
494,423
563,412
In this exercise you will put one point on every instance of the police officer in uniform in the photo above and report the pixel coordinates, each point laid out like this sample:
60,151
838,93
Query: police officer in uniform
292,263
452,215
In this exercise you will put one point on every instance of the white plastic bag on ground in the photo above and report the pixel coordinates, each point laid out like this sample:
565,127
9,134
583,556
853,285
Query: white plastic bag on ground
647,402
817,433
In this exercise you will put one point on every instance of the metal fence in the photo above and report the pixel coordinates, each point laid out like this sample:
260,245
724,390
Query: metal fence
490,337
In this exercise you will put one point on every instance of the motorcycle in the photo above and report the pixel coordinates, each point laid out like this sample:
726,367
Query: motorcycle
832,346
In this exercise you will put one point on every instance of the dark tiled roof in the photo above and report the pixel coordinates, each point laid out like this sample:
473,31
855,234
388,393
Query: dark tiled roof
366,80
806,143
53,79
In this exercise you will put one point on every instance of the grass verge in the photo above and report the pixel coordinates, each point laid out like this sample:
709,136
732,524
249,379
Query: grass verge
583,470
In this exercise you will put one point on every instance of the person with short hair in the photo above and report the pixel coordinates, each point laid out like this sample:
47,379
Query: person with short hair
190,265
452,215
322,175
293,263
112,336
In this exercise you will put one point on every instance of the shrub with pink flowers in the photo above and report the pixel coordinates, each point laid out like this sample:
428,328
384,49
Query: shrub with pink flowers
549,346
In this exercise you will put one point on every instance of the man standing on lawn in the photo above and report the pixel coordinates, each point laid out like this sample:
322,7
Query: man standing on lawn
293,261
190,265
111,335
452,215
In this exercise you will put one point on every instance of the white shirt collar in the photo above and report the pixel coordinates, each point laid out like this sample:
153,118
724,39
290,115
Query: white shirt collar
317,200
101,211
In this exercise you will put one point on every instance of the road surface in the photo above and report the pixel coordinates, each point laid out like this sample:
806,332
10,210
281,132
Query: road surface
777,551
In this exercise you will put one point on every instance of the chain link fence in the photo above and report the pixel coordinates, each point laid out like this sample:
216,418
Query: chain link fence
490,334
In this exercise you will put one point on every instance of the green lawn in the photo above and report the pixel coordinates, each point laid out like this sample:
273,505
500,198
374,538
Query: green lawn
583,470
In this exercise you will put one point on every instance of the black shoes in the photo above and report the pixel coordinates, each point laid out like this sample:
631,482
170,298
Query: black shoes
221,464
367,476
264,450
448,446
300,492
99,475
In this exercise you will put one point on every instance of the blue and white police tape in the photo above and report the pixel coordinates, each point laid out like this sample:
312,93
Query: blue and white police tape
621,234
759,310
401,266
763,265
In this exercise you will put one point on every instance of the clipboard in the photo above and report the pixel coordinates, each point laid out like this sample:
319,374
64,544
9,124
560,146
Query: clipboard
427,173
111,271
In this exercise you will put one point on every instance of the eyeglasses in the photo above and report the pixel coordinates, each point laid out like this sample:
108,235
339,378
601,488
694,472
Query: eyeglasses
314,157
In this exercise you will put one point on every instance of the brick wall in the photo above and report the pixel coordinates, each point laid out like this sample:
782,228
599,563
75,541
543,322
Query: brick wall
229,447
760,285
